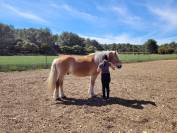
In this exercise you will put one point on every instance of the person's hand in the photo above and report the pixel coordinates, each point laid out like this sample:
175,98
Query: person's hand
98,69
112,66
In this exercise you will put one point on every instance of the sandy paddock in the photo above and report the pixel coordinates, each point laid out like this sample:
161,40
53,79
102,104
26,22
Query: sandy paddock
143,99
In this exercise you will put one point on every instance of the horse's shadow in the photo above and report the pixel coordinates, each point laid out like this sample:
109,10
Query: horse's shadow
98,101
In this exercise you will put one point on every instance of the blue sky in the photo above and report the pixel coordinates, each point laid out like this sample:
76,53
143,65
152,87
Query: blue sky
107,21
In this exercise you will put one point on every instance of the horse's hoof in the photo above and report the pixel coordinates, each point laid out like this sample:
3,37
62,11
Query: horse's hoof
93,96
63,97
57,99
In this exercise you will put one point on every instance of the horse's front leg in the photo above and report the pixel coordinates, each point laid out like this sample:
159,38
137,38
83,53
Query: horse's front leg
58,93
92,83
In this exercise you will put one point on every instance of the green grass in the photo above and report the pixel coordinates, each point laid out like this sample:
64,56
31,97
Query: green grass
20,63
128,58
25,60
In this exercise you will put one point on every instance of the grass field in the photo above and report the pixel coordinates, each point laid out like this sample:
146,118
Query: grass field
25,60
19,63
128,58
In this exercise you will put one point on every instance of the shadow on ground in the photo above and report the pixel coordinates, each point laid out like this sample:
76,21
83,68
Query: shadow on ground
98,101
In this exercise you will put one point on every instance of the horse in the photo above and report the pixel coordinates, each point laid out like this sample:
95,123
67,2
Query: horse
79,66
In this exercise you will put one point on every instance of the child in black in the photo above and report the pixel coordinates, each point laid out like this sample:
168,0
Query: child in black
105,75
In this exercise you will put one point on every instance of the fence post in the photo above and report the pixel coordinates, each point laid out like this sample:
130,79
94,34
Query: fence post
46,60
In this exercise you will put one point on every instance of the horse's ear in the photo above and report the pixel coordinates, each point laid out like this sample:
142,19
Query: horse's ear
115,52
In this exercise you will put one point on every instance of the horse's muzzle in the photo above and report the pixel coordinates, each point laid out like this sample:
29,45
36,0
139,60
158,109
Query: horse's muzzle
119,66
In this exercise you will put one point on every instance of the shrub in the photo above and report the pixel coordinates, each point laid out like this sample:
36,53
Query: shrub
166,50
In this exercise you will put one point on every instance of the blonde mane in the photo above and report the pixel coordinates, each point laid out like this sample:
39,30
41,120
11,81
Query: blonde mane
99,56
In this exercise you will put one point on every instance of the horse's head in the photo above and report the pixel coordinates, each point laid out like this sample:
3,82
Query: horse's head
114,59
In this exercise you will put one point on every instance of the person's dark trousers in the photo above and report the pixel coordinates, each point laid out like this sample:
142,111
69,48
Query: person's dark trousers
105,79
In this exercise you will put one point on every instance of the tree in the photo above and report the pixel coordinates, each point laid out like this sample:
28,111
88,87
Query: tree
7,39
151,46
90,49
70,39
76,49
93,43
45,48
65,49
96,45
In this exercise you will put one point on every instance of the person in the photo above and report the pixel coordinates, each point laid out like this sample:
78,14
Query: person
105,75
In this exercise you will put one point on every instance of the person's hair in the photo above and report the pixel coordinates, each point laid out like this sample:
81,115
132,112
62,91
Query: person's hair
105,57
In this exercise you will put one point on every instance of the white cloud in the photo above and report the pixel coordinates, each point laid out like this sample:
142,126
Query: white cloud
122,38
125,38
54,5
122,15
24,14
168,15
167,39
77,13
125,14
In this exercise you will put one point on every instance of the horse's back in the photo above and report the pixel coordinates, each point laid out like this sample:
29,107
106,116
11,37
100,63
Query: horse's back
77,65
76,58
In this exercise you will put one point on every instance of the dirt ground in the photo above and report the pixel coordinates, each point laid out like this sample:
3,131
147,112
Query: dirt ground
143,100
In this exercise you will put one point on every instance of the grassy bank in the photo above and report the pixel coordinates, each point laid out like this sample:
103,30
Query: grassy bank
20,63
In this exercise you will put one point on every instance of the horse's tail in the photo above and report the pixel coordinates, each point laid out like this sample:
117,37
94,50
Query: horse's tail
52,79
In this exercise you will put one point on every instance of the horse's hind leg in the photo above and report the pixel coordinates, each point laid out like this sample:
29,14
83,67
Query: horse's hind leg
56,91
61,89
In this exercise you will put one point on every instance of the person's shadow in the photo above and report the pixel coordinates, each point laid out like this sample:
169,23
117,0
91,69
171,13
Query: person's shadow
98,101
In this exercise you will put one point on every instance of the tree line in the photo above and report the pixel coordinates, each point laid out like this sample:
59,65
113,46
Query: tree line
42,41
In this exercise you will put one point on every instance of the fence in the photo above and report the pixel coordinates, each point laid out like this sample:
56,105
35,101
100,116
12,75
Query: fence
20,63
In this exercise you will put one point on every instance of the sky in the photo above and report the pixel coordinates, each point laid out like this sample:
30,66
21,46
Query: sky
107,21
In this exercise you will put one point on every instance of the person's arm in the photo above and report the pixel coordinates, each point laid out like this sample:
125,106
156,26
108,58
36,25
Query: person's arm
98,69
112,66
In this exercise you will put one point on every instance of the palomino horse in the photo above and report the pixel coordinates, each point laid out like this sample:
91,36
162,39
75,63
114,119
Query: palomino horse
79,66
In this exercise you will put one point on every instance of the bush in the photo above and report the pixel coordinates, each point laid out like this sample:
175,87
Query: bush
162,50
76,49
175,52
65,49
166,50
90,49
